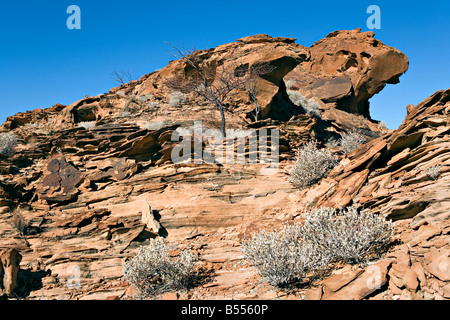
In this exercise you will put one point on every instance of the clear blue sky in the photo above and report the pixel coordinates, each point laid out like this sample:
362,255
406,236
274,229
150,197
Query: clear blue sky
42,62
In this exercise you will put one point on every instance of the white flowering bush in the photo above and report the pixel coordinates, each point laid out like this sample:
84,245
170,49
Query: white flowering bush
152,271
350,141
8,142
346,234
177,98
311,165
280,256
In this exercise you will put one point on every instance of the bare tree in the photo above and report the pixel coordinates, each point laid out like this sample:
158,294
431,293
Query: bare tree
207,80
122,77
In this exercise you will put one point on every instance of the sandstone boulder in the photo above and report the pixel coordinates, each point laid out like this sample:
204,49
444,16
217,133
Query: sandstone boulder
60,180
347,68
9,269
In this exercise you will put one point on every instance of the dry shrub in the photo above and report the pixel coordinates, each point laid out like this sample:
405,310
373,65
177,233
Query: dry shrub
19,222
280,256
327,235
311,165
8,142
152,271
350,141
346,234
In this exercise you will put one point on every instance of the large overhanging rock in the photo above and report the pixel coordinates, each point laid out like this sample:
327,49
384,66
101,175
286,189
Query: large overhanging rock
281,54
347,68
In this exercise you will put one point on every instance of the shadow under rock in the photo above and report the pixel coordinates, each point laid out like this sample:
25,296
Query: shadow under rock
29,281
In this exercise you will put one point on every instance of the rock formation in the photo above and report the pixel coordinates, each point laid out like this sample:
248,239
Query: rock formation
89,196
9,269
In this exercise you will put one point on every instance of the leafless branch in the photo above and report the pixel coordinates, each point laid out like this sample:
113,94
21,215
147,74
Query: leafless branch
122,77
207,80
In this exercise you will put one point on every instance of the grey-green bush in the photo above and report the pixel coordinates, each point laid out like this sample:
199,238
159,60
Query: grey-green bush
346,234
86,125
310,106
280,256
8,142
350,141
152,271
434,172
177,98
327,235
311,165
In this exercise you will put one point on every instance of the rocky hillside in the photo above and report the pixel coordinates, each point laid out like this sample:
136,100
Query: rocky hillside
91,182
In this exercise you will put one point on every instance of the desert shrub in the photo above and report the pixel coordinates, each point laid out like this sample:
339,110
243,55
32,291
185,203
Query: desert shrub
297,98
350,141
311,165
346,234
8,142
383,125
154,125
19,222
433,172
30,125
153,104
280,256
177,98
238,133
290,83
310,106
327,235
152,271
184,132
144,98
86,125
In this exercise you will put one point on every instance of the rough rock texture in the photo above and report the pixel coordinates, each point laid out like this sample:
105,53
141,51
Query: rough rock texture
91,197
9,269
347,68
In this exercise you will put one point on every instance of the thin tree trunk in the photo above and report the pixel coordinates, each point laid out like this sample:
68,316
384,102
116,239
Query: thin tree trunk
222,114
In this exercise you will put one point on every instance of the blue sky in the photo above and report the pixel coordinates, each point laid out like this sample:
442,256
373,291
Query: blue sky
42,62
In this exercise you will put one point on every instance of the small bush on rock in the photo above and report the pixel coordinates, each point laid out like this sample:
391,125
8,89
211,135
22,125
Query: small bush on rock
152,271
311,165
346,234
350,141
8,142
177,98
326,235
154,125
281,256
86,125
310,106
19,222
434,172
